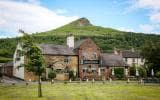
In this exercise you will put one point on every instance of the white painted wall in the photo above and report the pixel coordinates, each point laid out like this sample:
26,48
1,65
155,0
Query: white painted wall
137,61
18,72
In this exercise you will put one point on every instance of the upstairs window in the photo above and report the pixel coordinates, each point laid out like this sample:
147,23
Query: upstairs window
66,59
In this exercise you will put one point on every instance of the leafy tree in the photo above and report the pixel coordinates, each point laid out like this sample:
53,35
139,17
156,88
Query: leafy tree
35,60
158,74
151,53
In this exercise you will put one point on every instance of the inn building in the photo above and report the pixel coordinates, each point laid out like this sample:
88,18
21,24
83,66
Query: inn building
83,57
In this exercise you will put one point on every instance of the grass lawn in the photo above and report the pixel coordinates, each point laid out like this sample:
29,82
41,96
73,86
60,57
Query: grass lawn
81,91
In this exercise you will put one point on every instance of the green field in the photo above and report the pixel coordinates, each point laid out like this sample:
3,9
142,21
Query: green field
81,91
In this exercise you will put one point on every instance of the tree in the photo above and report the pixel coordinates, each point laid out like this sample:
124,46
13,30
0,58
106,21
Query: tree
35,60
151,53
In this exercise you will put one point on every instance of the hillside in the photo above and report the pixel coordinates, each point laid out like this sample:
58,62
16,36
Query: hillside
106,38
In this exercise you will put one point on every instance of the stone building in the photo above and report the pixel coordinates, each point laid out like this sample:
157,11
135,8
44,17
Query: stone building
57,57
61,59
89,58
83,57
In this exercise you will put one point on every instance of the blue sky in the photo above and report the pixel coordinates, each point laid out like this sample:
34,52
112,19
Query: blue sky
43,15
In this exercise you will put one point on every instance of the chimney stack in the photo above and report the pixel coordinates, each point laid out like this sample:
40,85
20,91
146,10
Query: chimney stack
115,51
70,41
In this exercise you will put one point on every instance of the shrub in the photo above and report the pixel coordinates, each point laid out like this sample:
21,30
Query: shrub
142,71
52,74
65,82
119,73
158,74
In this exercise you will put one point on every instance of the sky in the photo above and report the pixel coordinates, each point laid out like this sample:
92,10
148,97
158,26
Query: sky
43,15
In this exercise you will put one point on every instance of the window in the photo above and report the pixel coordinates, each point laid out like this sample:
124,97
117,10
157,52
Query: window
18,59
102,70
84,70
133,60
66,59
126,59
93,71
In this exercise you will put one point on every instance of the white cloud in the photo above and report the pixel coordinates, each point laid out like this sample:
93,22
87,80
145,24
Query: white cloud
61,11
149,4
154,13
29,17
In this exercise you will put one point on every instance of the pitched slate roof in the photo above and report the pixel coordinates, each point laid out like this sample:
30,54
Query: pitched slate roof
8,64
131,54
55,49
78,43
112,60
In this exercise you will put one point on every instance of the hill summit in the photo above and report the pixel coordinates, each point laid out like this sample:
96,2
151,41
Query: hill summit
81,22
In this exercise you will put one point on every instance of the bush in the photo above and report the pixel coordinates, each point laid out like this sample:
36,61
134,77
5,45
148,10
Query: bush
65,82
158,74
142,71
52,74
119,73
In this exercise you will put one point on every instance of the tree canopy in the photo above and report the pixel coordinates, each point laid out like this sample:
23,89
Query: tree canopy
35,60
151,53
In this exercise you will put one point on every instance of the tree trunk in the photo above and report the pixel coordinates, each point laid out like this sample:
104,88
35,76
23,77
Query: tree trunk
39,87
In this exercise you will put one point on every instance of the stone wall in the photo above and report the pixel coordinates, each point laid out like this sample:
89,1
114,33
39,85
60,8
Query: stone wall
63,63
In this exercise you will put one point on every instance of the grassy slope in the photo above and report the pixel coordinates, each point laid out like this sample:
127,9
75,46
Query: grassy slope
89,91
105,38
